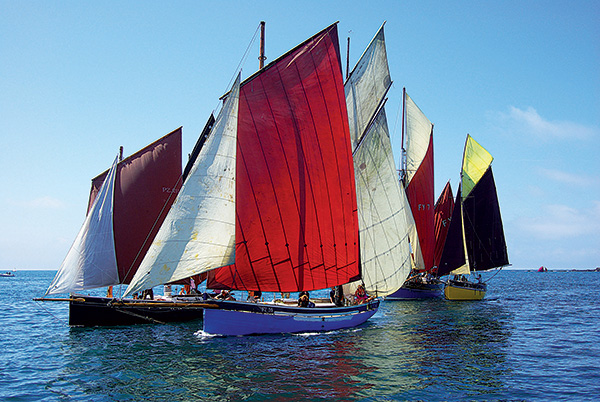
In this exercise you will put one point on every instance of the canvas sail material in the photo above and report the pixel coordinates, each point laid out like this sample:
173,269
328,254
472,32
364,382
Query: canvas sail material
383,212
146,184
91,261
476,161
453,254
382,204
475,240
198,233
443,214
366,87
297,226
419,182
484,234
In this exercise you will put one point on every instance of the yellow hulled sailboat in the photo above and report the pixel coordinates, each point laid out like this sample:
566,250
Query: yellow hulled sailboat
475,240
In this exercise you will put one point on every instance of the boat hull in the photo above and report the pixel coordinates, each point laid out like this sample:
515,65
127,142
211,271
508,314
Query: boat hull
92,311
254,319
417,292
460,290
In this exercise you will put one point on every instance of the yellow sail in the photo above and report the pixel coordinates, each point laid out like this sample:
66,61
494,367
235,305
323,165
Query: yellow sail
476,160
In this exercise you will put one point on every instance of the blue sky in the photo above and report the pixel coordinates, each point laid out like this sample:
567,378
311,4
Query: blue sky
80,78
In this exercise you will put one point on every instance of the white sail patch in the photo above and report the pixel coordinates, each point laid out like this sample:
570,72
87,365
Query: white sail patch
198,233
91,261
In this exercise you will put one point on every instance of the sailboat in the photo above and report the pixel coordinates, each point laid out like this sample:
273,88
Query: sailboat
475,239
291,223
385,218
418,182
126,206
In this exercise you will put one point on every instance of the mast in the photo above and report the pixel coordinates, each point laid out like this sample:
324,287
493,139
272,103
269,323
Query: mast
348,59
462,213
403,151
262,58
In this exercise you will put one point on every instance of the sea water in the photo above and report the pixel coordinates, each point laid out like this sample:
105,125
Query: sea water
535,337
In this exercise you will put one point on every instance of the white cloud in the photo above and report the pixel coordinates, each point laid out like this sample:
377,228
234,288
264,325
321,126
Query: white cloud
529,122
569,178
562,222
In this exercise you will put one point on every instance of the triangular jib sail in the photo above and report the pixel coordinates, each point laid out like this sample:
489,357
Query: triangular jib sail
91,261
198,233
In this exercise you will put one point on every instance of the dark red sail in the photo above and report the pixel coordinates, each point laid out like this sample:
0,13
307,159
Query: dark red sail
443,213
145,187
297,225
453,253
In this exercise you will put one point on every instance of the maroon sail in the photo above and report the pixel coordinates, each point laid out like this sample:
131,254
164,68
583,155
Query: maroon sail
443,213
297,224
453,252
145,188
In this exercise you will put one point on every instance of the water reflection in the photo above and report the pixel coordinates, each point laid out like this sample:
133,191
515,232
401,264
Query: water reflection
159,361
421,344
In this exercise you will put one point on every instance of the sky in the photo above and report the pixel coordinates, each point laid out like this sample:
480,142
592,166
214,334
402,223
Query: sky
78,79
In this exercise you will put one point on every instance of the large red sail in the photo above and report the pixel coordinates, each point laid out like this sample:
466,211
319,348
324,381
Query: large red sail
297,224
420,193
145,188
443,213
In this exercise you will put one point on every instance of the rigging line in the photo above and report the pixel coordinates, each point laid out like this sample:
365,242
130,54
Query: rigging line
496,273
239,67
61,322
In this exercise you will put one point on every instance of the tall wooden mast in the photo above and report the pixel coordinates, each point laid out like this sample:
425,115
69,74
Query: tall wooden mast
262,58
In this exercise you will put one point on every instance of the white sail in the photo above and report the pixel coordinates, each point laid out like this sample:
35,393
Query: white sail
198,233
418,132
91,262
383,212
366,87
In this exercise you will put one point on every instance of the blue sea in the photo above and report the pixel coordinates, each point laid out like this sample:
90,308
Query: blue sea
535,337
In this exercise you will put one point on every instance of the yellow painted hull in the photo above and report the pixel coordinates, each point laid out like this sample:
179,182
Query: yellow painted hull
456,291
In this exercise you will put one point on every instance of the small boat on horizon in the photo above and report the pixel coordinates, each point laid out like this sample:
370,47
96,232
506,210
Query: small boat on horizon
7,274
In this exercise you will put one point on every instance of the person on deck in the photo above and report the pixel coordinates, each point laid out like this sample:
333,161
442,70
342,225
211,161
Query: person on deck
303,299
337,296
361,296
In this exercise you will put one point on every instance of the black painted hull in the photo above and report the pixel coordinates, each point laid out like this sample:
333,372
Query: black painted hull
92,311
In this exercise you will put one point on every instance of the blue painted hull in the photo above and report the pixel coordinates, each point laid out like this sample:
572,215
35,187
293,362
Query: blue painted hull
422,291
252,318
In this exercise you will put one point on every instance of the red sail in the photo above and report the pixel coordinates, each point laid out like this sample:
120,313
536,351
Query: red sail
145,188
297,224
443,213
420,193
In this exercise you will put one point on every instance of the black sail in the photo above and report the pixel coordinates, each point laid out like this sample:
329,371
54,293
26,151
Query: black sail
453,255
484,233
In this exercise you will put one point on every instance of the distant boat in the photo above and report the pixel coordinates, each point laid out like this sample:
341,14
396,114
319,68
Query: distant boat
475,240
7,274
542,269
